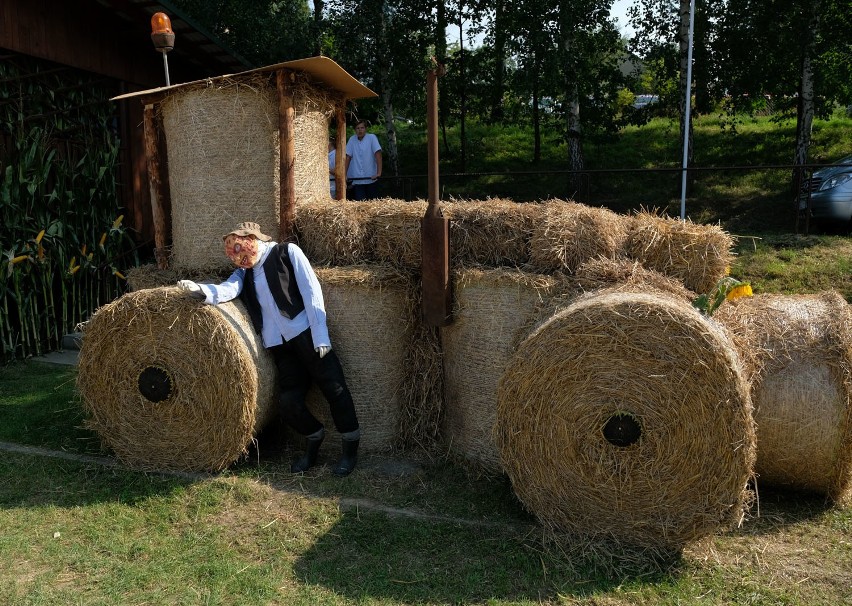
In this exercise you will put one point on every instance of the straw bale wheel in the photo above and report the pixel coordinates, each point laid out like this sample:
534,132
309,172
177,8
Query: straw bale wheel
800,349
698,255
626,416
372,320
171,383
493,311
222,142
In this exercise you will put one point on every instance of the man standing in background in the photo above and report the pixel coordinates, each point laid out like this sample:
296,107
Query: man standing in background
363,163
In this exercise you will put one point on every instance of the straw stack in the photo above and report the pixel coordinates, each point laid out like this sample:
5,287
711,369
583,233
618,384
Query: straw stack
493,232
171,383
222,144
371,325
493,311
697,255
627,275
392,229
570,234
331,232
800,349
626,417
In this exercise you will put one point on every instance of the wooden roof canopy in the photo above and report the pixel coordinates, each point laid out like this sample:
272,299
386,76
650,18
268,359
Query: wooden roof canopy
322,70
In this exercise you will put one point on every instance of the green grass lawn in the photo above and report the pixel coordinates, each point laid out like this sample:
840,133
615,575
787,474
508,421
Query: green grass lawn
78,532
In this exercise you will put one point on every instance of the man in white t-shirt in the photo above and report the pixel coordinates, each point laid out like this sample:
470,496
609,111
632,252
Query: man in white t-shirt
363,163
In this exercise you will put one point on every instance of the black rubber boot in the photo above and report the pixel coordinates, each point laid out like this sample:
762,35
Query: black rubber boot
309,459
350,457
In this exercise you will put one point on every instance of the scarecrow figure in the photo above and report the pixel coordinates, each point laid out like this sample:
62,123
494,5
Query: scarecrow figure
285,303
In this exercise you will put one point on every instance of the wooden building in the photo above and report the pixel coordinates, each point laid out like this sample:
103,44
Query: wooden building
111,39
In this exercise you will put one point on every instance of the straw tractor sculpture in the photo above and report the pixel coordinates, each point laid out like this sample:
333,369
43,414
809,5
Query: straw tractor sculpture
575,362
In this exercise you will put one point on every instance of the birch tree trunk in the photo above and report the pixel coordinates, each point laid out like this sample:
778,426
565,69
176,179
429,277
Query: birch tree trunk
572,98
391,156
805,114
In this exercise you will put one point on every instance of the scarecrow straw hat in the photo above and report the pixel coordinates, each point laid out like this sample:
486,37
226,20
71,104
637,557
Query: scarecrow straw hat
800,353
625,416
170,383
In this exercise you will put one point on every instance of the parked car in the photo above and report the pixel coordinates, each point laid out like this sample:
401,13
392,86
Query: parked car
645,100
830,192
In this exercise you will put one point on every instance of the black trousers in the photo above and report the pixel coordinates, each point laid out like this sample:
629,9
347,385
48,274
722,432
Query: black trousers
298,367
365,191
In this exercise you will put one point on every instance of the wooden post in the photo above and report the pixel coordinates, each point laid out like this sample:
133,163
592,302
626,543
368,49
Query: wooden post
340,153
155,185
287,176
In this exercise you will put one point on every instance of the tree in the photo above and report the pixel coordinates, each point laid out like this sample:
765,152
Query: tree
262,31
794,52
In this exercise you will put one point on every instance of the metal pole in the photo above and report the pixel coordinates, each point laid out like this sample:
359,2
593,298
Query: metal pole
432,139
166,67
687,113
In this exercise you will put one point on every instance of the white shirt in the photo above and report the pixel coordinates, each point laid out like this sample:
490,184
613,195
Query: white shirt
278,328
362,152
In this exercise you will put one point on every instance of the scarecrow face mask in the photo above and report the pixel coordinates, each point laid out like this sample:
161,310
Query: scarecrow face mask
242,250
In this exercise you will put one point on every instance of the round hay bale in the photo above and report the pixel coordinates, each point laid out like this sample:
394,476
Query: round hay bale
493,232
223,145
697,255
371,322
170,383
626,417
493,311
570,234
800,348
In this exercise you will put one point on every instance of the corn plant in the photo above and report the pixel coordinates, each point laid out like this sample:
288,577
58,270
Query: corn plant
62,239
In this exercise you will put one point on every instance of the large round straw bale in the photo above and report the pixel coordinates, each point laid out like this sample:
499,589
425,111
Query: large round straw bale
800,347
222,144
493,232
626,417
493,311
570,233
371,322
392,229
625,274
698,255
313,105
170,383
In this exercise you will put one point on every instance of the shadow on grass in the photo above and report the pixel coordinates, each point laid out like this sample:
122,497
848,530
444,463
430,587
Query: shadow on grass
778,507
42,481
384,558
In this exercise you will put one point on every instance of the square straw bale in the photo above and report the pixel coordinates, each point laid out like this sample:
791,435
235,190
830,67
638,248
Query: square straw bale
697,255
569,234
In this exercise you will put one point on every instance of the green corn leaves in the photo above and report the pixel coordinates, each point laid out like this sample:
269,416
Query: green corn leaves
60,244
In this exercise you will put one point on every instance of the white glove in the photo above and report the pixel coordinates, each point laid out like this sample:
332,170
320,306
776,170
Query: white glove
192,288
322,350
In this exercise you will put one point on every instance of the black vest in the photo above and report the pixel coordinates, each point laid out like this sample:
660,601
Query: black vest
278,270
